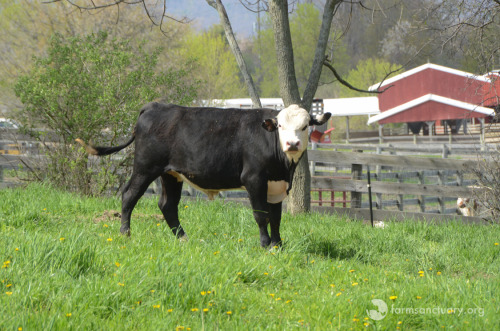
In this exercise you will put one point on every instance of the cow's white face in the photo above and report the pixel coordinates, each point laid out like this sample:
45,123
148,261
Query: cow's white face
293,122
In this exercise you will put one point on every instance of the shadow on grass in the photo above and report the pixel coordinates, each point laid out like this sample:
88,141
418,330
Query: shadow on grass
332,250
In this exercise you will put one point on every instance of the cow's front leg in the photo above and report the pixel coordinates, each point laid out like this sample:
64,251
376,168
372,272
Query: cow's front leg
257,191
275,221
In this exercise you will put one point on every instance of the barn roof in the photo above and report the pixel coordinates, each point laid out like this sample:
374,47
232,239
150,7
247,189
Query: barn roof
408,106
484,78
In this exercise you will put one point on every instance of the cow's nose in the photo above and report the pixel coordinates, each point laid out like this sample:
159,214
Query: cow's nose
293,146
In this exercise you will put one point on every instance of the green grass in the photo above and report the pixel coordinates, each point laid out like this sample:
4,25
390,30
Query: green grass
65,266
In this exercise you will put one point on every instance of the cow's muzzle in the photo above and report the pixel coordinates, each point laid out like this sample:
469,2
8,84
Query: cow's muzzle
292,146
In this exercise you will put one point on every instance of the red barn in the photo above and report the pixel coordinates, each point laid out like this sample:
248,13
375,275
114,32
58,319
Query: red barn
433,94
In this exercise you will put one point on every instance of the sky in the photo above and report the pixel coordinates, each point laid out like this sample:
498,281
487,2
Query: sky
203,16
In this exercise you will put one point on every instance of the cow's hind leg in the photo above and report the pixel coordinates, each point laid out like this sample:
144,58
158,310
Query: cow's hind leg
275,222
169,201
132,192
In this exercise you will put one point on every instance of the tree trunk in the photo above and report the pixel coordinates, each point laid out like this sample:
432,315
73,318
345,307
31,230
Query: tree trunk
299,200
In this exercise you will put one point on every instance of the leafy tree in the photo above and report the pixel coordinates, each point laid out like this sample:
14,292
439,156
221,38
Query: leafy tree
214,65
366,73
28,25
92,88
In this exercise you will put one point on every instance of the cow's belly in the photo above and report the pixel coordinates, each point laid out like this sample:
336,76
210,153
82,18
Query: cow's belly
276,190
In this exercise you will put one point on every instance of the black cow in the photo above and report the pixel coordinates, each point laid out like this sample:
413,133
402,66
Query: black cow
213,150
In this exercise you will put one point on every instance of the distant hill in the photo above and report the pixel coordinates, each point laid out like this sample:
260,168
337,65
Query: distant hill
203,16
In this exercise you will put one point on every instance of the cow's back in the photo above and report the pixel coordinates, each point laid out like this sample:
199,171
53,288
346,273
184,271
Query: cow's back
207,145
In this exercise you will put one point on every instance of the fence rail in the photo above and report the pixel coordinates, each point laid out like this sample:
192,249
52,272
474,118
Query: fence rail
402,184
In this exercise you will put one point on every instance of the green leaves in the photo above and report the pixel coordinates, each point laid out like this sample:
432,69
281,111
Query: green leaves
92,87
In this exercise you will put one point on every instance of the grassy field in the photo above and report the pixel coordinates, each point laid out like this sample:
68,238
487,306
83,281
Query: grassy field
65,266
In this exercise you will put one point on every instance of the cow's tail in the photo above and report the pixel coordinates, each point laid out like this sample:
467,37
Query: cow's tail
101,150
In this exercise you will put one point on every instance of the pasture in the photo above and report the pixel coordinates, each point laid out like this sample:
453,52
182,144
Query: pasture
65,266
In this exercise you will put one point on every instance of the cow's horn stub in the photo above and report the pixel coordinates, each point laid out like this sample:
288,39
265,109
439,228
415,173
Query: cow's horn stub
89,149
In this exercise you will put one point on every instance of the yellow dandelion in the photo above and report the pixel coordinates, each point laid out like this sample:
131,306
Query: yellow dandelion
158,224
352,270
496,244
170,310
240,240
180,284
205,310
109,239
354,284
105,225
229,312
366,324
450,311
19,329
194,310
399,323
139,302
355,319
208,292
418,297
17,250
272,294
266,273
185,207
179,328
203,293
217,252
393,297
338,294
121,284
117,264
156,306
332,285
438,273
239,273
288,301
152,291
8,285
61,239
8,293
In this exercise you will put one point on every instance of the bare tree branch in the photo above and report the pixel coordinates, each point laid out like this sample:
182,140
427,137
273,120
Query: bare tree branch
233,44
327,64
324,34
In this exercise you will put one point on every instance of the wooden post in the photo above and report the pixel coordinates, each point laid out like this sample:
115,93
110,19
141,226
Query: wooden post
445,152
400,196
421,198
312,164
347,129
441,181
356,173
378,171
380,133
481,124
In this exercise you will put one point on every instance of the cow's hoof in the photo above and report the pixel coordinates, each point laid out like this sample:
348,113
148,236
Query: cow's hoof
265,242
275,246
125,231
184,238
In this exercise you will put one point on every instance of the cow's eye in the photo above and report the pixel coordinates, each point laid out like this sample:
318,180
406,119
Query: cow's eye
305,127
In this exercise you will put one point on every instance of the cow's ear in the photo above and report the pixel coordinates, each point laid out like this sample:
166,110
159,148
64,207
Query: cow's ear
270,124
320,119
